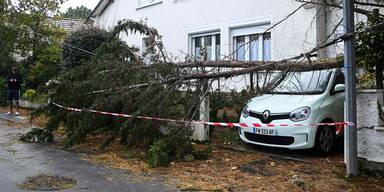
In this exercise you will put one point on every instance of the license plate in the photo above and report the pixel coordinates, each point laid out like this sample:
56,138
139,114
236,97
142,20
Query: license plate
262,131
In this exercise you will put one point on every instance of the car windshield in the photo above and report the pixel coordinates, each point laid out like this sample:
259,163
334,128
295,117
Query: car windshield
302,83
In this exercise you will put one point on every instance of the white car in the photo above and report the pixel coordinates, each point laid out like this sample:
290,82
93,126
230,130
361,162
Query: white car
292,108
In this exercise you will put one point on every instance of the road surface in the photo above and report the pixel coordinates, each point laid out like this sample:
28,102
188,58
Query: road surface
20,160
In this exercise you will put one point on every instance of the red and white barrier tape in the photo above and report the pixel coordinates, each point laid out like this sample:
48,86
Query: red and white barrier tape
340,125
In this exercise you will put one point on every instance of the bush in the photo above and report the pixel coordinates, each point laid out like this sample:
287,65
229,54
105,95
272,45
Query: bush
226,107
158,154
175,147
29,94
136,133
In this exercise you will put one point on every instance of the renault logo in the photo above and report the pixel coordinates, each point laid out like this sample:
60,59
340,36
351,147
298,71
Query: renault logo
266,115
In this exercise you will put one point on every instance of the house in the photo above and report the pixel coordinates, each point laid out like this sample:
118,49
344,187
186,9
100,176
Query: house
224,26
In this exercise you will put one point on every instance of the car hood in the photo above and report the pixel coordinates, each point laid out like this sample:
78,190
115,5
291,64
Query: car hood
284,103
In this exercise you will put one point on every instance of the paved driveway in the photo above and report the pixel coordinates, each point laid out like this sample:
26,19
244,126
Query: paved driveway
20,160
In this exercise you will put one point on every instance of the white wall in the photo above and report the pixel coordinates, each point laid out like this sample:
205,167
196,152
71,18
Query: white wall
370,126
175,19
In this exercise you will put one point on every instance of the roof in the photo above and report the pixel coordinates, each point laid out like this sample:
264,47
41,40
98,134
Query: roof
100,8
69,24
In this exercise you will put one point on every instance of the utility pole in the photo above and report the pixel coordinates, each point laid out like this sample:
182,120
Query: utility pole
350,93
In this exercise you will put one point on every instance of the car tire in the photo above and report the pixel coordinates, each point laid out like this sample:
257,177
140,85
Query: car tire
325,139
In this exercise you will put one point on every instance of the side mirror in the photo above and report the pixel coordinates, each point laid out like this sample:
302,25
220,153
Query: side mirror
339,88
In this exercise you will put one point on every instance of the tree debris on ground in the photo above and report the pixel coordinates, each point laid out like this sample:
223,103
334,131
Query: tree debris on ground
255,171
43,182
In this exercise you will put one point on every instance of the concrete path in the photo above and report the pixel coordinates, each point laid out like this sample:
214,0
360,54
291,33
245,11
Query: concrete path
20,160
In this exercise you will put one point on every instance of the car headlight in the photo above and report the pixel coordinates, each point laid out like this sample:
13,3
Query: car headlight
245,112
300,114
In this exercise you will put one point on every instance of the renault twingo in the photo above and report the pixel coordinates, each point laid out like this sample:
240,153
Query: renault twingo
305,98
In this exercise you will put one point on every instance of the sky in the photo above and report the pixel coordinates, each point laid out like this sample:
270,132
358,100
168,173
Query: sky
91,4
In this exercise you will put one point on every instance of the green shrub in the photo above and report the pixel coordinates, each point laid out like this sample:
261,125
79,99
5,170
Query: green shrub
179,143
226,107
158,154
29,94
137,133
176,146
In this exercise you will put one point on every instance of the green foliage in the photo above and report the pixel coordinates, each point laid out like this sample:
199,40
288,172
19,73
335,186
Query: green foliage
81,12
28,39
175,147
8,38
158,154
227,107
178,143
136,133
29,94
370,49
88,39
45,66
115,81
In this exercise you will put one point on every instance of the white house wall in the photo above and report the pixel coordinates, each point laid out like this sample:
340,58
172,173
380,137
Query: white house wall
177,19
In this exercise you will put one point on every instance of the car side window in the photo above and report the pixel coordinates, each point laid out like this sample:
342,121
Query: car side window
339,79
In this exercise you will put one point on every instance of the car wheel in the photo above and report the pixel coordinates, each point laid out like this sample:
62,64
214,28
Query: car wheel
325,139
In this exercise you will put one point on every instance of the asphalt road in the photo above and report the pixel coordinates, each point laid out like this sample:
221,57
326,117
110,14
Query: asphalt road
20,160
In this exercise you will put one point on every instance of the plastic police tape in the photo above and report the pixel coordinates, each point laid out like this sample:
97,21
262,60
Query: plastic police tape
339,125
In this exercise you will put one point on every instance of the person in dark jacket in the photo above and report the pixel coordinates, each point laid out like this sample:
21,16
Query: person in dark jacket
13,93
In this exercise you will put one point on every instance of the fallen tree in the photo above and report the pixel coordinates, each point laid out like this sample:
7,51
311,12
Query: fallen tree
150,84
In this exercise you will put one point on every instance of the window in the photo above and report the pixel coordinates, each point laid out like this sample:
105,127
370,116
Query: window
267,47
302,83
339,79
217,51
240,48
254,47
145,3
209,45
